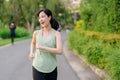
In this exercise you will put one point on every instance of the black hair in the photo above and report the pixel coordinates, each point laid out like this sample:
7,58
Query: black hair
53,22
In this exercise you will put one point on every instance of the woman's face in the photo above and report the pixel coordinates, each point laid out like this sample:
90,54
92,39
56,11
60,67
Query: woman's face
44,19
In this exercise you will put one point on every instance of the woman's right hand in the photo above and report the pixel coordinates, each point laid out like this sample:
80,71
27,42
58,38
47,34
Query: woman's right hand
31,56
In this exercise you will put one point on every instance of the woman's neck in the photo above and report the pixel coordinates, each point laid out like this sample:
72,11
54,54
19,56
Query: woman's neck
47,29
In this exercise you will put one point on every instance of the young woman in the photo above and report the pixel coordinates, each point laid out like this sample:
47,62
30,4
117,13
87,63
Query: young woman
47,43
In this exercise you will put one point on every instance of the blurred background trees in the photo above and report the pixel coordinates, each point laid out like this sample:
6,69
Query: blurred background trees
101,15
23,12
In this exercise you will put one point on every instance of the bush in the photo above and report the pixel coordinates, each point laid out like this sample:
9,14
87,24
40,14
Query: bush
78,25
97,15
105,55
71,39
94,54
5,33
113,64
20,32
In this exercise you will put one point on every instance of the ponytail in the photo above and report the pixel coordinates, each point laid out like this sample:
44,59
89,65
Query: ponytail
54,23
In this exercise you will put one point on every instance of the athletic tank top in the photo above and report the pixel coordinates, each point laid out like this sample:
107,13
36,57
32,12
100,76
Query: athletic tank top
45,61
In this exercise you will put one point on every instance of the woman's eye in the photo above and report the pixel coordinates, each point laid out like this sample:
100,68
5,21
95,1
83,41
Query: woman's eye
42,16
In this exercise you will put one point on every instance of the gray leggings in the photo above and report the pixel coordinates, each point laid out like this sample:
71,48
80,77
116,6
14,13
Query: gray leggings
44,76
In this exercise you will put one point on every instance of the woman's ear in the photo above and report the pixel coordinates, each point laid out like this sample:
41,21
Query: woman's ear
50,17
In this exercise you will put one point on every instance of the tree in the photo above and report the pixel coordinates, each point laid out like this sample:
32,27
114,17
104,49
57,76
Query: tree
23,12
101,15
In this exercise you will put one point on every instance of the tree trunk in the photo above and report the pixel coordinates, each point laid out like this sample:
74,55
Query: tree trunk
31,26
28,26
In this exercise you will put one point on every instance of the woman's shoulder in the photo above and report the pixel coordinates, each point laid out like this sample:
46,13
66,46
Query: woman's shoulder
36,32
57,33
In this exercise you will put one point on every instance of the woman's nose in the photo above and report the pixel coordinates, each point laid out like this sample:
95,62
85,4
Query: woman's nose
40,19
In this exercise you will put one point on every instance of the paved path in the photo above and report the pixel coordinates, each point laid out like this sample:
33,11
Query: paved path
14,63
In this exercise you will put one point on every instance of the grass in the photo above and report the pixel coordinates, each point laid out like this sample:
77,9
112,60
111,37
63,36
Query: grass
8,41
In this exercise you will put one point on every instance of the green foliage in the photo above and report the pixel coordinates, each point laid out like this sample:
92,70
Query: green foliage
79,24
20,32
4,33
1,2
51,2
71,39
94,54
102,50
23,12
6,14
86,13
113,67
75,41
59,11
1,24
101,15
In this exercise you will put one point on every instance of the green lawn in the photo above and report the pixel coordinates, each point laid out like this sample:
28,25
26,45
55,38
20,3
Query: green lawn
8,41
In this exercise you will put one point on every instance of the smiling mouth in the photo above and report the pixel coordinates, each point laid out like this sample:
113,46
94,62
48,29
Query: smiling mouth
42,23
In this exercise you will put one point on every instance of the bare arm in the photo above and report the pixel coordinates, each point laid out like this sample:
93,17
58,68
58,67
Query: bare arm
33,43
59,47
32,46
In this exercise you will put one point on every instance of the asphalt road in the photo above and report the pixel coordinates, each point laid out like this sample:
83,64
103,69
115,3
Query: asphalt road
14,63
